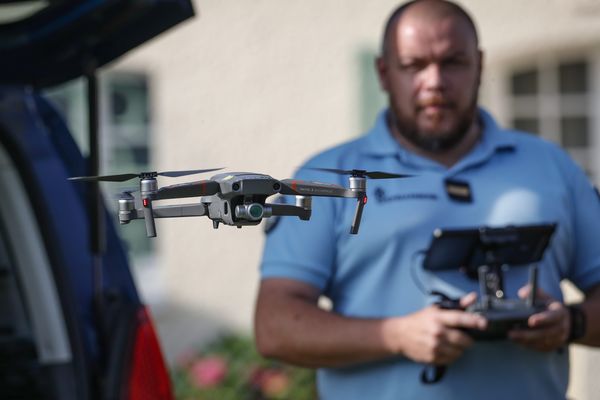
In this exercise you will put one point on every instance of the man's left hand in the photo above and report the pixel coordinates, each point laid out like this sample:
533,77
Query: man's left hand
547,330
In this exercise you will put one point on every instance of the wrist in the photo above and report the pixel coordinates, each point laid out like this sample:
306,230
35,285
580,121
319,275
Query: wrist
391,333
577,322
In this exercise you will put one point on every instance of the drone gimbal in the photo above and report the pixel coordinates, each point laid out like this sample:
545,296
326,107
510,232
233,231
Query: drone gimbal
237,198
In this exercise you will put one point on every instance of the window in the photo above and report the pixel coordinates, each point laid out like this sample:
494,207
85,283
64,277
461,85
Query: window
125,139
550,98
372,98
525,82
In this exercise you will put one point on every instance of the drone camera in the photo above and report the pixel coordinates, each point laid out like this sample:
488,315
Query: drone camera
235,186
253,212
277,186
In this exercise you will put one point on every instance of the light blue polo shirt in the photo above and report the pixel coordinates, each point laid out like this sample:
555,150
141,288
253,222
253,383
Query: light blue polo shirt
515,178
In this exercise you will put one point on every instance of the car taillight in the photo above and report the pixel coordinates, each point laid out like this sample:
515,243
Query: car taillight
149,379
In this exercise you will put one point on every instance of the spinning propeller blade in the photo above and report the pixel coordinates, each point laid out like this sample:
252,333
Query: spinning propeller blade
362,173
107,178
126,177
173,174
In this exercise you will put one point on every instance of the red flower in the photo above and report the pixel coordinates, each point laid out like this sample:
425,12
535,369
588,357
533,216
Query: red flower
271,382
208,371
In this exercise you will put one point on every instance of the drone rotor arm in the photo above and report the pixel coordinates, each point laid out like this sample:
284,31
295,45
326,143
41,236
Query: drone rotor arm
289,210
191,189
307,188
180,210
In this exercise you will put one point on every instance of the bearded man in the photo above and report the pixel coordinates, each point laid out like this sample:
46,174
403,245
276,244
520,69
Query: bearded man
383,326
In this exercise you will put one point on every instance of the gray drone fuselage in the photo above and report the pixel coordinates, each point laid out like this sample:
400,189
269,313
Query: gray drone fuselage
241,200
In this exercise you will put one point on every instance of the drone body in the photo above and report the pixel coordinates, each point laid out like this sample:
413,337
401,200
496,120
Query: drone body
237,198
241,199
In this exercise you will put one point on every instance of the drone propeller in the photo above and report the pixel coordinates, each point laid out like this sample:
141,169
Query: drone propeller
362,173
126,177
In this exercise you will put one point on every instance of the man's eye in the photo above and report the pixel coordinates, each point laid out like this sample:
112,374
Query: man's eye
454,63
411,66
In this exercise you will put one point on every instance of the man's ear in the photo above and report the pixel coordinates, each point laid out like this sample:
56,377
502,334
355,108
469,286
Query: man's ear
382,72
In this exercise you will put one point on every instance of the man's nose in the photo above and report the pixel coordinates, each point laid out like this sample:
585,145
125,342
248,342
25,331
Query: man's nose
433,77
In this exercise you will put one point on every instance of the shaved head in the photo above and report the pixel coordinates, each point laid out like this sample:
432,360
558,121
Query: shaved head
426,9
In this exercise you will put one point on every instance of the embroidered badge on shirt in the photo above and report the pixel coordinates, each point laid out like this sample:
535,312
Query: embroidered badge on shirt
382,197
459,190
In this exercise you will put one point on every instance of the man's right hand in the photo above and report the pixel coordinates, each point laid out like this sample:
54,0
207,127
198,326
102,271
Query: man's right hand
291,327
434,335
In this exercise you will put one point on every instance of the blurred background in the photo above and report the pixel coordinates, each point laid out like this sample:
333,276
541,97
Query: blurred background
261,85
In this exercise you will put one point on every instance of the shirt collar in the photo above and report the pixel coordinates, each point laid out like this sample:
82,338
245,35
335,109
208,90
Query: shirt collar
379,142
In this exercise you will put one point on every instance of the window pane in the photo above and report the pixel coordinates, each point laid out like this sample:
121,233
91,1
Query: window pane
529,125
574,131
525,82
573,77
129,150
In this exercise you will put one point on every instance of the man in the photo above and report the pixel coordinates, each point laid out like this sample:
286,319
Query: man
383,326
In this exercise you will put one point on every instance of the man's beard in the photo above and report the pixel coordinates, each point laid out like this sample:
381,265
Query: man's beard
407,128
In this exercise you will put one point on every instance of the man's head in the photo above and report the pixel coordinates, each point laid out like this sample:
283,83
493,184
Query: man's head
430,67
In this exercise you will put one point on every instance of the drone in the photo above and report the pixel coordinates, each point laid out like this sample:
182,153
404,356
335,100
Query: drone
236,198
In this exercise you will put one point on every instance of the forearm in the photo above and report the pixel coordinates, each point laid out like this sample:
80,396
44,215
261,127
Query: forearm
293,329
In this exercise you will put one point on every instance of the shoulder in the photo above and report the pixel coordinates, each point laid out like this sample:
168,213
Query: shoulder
501,136
542,154
538,148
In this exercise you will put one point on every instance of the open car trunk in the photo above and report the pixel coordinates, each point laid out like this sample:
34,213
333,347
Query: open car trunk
65,331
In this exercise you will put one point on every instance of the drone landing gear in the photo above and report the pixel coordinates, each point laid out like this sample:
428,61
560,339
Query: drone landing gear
358,184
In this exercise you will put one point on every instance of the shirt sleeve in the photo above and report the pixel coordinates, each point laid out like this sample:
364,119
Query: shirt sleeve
303,250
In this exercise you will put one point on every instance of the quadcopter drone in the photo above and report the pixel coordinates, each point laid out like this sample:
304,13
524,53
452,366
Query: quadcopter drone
237,198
